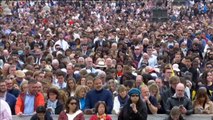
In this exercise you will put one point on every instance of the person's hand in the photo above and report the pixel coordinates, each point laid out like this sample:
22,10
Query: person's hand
206,111
146,98
183,110
134,108
20,114
88,111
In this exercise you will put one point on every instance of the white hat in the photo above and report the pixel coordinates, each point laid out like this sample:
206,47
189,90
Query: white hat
176,67
101,64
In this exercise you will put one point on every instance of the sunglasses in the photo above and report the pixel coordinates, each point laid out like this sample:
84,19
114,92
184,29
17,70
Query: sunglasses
73,103
134,95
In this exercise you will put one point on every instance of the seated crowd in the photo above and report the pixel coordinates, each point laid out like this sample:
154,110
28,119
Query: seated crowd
73,59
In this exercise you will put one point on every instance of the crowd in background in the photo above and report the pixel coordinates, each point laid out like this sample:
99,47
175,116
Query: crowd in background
72,58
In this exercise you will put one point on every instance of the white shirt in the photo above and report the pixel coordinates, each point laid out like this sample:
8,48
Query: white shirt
64,44
116,106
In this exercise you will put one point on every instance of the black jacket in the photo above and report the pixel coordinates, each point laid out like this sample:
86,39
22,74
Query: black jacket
59,107
46,117
175,101
128,114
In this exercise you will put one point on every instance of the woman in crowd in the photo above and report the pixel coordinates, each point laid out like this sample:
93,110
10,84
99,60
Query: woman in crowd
112,85
119,68
100,110
207,79
72,111
63,97
24,87
202,103
53,105
121,99
81,94
135,109
71,86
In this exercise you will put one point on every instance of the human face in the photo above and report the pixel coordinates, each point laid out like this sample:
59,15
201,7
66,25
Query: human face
71,84
72,105
101,109
209,77
173,85
159,82
98,84
168,73
137,51
9,84
177,58
52,96
25,88
134,98
41,116
123,94
180,91
60,79
89,62
145,91
208,67
82,93
83,81
3,87
119,68
139,80
188,62
89,83
70,70
33,89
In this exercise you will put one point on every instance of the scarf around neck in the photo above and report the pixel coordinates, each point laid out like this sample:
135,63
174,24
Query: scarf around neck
122,100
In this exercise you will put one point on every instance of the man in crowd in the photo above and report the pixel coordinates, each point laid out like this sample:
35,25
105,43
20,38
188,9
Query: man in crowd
98,94
179,99
28,102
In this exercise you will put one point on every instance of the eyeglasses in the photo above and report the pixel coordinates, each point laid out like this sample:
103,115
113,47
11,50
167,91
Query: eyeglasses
73,103
208,66
134,95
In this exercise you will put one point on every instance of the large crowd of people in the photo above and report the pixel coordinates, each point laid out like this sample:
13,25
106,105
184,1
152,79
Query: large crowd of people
76,58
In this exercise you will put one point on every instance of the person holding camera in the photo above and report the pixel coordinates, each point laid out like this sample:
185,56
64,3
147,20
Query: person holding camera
179,99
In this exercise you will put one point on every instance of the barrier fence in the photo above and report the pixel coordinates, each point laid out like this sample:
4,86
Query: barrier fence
150,117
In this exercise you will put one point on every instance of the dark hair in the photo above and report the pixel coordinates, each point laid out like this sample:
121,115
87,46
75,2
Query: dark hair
32,81
68,102
68,89
53,90
2,80
98,104
40,109
60,73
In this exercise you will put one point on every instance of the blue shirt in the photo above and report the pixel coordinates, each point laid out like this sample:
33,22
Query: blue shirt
82,103
29,104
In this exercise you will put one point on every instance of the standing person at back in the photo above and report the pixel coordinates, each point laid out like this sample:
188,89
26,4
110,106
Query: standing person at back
98,94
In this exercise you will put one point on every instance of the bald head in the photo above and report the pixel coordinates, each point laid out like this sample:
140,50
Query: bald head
6,53
180,89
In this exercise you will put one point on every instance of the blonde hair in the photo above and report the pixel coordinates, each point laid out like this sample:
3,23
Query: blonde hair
22,84
78,90
154,86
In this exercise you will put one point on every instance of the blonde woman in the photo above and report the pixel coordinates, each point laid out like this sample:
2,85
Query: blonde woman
80,94
154,91
24,87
